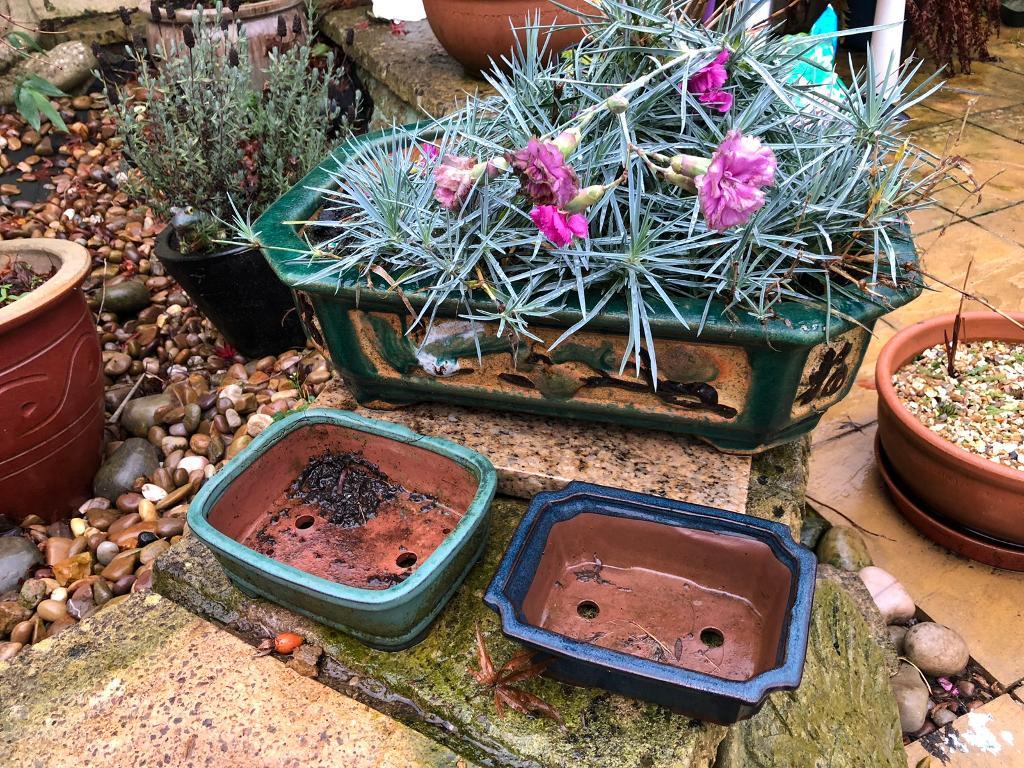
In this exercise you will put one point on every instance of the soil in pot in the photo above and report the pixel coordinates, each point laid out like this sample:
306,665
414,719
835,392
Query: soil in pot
17,279
346,520
979,408
692,599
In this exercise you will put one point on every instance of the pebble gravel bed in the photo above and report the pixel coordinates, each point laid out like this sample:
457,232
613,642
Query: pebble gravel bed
179,400
981,409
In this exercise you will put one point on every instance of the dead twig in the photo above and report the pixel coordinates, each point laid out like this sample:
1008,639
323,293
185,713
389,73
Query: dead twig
848,519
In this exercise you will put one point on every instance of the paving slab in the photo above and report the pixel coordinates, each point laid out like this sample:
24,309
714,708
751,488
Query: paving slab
146,683
534,454
984,604
995,160
988,87
1007,223
409,75
990,737
1009,51
1007,122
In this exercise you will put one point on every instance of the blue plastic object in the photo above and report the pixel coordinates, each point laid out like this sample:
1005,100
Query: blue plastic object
696,694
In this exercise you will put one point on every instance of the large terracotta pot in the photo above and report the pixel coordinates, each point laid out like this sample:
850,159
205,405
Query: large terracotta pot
51,386
944,480
259,20
476,31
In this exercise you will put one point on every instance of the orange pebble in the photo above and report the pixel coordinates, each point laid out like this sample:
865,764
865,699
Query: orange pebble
287,642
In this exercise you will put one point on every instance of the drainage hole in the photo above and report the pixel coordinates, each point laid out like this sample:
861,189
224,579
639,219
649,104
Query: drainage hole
588,609
406,560
712,638
304,521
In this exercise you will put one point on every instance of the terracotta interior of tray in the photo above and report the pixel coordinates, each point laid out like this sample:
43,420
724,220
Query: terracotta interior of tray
384,550
709,602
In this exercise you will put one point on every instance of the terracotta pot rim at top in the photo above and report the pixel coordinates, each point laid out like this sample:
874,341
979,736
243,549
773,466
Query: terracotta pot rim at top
246,11
74,266
908,344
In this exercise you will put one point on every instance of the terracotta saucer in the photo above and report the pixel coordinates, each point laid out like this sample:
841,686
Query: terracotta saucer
964,542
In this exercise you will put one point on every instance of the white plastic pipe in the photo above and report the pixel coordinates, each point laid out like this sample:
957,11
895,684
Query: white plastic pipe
887,44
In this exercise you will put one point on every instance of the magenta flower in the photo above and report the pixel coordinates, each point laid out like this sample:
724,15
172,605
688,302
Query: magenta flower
558,226
730,190
453,180
429,152
545,176
707,84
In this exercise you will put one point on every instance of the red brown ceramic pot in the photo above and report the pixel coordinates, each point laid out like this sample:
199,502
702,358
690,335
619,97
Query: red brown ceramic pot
258,18
476,31
51,386
945,480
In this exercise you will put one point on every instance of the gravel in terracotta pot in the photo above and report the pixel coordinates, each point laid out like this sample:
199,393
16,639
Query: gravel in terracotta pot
959,488
476,31
51,384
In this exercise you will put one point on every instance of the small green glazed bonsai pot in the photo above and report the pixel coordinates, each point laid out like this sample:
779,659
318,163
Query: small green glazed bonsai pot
740,384
427,527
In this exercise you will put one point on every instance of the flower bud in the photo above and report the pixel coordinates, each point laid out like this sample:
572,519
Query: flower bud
690,165
679,180
616,104
282,26
567,141
586,198
189,37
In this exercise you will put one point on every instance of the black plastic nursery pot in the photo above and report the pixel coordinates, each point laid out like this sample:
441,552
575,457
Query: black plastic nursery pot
240,294
700,610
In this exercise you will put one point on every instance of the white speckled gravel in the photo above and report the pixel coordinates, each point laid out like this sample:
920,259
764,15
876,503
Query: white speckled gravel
981,409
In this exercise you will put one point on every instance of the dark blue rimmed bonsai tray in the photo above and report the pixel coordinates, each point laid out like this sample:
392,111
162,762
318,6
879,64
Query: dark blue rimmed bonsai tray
700,610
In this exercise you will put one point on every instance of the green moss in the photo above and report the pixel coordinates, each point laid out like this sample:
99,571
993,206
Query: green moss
778,484
843,714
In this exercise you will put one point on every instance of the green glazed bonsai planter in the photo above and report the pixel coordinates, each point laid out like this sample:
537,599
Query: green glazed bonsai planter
388,619
741,384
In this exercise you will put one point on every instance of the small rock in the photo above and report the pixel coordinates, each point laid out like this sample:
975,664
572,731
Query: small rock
942,717
191,463
80,604
140,413
893,601
168,527
12,614
126,297
153,493
51,610
257,423
135,458
121,566
33,592
106,552
843,547
304,659
101,592
147,507
152,551
896,634
191,417
72,569
17,556
937,650
57,548
911,698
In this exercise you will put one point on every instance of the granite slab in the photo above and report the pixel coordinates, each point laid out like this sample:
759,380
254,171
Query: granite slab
534,454
409,74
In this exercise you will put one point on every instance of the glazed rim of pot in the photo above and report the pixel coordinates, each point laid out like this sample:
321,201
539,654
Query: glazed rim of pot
74,266
888,364
246,11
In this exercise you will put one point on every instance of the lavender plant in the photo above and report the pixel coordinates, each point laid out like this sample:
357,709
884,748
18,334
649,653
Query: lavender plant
206,141
661,159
